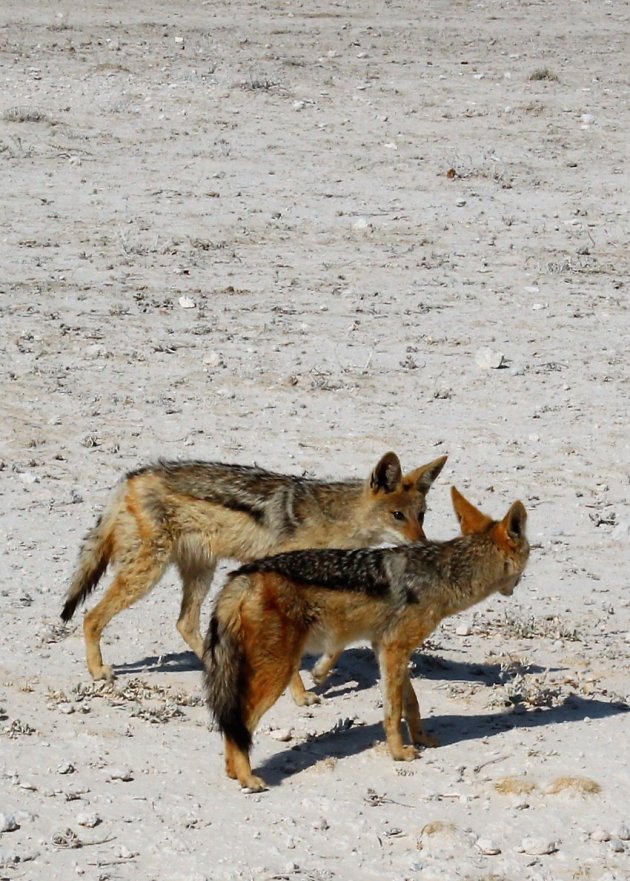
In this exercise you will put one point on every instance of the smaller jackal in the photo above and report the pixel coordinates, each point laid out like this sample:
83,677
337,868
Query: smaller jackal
272,610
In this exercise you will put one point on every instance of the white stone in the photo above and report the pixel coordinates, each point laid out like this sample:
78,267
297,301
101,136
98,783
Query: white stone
282,734
600,835
538,846
124,774
89,819
487,847
488,358
8,823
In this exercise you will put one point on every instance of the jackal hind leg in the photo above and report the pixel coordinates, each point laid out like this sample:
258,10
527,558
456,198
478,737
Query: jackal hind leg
300,695
321,670
196,581
393,663
411,712
238,767
273,654
131,583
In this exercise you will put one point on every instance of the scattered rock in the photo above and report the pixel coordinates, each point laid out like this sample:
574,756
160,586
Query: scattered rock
8,823
212,359
538,846
487,847
621,532
124,774
282,734
488,359
89,819
463,630
623,832
600,835
66,768
186,303
8,858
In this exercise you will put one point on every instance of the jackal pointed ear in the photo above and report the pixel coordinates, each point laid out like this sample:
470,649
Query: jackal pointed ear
422,478
387,474
515,521
470,518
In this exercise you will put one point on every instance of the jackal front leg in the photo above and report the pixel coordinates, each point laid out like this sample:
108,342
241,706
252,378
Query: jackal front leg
300,695
393,661
411,712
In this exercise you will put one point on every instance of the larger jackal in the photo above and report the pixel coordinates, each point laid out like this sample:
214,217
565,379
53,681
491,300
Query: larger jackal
272,610
194,513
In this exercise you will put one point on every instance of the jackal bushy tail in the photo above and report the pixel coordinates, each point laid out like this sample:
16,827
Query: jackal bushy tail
225,676
94,558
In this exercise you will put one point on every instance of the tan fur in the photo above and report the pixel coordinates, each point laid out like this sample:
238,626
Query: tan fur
194,514
272,610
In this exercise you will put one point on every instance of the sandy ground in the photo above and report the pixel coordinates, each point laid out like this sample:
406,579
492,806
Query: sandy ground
281,234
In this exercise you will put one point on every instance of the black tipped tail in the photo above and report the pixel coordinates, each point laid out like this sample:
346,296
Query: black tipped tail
69,608
93,561
226,680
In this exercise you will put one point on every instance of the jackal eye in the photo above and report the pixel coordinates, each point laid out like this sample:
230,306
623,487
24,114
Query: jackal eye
398,515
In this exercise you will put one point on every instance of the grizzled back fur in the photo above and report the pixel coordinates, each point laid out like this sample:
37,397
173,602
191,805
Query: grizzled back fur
360,570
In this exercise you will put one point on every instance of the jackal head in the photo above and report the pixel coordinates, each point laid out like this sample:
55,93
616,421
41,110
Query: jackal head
394,503
507,548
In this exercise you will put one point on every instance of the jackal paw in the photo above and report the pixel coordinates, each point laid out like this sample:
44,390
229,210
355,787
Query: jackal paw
405,754
306,699
104,671
320,673
253,784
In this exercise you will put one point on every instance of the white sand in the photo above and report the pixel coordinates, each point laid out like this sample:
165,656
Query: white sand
285,169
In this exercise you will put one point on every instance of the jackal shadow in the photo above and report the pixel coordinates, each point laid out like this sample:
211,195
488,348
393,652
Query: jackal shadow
449,729
356,669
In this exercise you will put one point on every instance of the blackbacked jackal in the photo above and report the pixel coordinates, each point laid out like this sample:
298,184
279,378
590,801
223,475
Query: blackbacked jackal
194,513
272,610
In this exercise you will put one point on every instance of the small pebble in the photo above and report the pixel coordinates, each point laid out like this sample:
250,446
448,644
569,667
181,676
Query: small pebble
617,846
463,630
282,734
623,833
212,359
8,823
321,824
600,835
8,858
538,846
124,774
66,768
89,819
487,847
186,303
488,358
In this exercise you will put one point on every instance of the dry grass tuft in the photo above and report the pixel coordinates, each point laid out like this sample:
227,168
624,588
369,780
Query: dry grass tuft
438,827
583,785
514,786
543,73
24,114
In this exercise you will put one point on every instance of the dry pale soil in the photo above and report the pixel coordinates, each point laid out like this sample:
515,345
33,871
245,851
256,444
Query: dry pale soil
300,234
